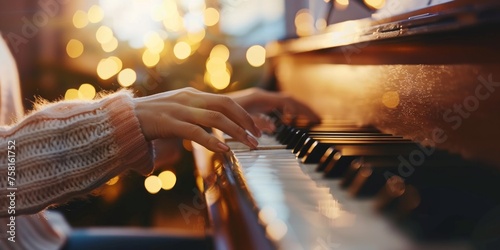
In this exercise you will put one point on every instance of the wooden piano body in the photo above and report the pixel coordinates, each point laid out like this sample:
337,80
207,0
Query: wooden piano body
431,75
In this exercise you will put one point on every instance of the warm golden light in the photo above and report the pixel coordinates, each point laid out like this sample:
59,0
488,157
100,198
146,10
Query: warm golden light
104,34
276,230
110,46
171,18
149,58
127,77
182,50
304,23
154,42
168,179
342,2
108,67
74,48
256,55
375,4
71,94
80,19
86,92
220,51
321,24
215,64
95,14
390,99
267,214
196,37
113,181
220,79
211,17
158,14
152,184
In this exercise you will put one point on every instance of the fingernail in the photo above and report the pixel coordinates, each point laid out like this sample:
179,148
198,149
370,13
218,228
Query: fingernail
252,141
223,146
257,130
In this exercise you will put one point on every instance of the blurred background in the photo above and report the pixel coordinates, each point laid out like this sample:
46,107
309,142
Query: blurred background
75,49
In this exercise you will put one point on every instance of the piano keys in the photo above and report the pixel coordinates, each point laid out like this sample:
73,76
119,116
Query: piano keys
407,155
300,206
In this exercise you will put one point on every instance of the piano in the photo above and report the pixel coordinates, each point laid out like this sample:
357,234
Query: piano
407,155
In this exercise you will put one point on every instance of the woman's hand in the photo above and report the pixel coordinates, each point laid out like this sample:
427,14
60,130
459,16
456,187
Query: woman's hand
181,113
256,100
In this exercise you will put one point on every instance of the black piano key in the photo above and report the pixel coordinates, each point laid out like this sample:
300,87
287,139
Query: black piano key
298,141
450,202
374,172
310,141
336,165
295,138
319,147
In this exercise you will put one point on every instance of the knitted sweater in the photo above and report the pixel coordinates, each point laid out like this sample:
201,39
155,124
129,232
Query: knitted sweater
69,148
60,151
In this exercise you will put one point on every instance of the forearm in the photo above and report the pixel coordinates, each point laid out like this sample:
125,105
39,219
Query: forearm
67,149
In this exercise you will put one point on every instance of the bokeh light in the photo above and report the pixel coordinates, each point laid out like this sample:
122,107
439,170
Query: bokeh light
211,16
108,67
86,92
375,4
71,94
182,50
104,34
127,77
80,19
110,45
153,42
256,55
220,51
152,184
74,48
95,14
390,99
304,23
149,58
342,2
168,179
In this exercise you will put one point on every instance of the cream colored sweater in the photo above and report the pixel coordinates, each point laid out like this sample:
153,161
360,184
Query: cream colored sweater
61,151
70,148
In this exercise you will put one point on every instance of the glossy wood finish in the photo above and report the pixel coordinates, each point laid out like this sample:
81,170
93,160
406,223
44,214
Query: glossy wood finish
439,88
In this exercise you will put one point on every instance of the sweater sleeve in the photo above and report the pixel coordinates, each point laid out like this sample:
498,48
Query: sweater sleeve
67,149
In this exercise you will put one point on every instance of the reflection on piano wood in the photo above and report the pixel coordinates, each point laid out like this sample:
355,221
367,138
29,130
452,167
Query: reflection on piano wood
411,159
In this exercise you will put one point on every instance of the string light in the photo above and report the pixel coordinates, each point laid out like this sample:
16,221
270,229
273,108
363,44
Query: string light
211,16
182,50
256,55
86,92
149,58
95,14
71,94
152,184
74,48
127,77
80,19
168,179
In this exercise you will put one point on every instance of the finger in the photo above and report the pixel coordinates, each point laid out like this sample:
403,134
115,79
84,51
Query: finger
209,118
233,111
199,135
264,123
224,104
295,109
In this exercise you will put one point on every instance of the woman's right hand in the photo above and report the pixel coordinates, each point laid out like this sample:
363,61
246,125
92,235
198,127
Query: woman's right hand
181,113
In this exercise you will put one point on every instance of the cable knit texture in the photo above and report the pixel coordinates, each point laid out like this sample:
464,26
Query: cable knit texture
62,150
69,148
